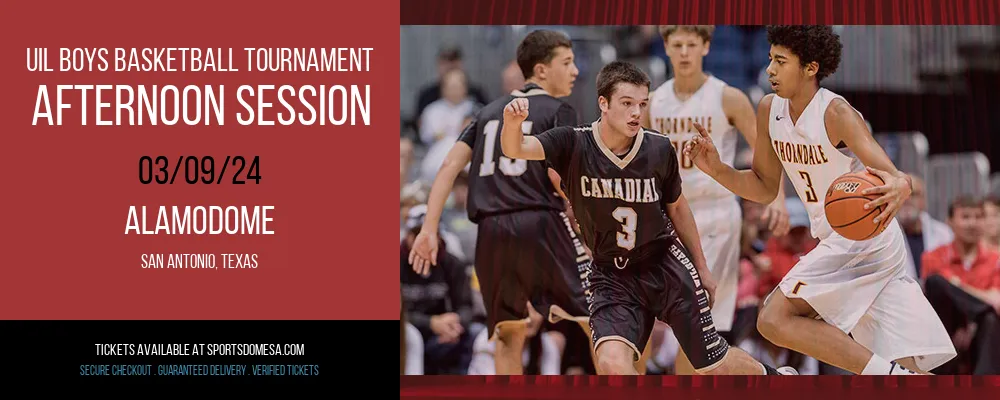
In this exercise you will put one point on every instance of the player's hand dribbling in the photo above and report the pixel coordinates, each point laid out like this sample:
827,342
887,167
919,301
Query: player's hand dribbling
701,150
424,252
516,111
895,191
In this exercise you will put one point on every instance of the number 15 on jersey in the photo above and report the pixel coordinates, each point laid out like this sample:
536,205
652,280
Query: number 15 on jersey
507,166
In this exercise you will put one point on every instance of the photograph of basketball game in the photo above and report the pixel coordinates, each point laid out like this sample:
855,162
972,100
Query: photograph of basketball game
699,200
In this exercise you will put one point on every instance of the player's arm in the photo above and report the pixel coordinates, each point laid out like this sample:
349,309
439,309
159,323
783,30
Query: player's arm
737,107
687,231
844,124
760,183
512,141
679,212
425,247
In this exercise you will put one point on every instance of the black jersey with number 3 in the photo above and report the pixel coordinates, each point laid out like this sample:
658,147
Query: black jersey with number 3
619,201
498,184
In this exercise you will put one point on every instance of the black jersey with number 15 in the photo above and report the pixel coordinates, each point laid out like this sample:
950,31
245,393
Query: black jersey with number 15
498,184
619,201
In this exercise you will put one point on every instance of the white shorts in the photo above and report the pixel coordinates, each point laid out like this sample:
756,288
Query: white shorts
862,289
720,224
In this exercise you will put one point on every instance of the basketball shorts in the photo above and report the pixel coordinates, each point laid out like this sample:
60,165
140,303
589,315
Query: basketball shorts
531,256
862,288
720,225
659,282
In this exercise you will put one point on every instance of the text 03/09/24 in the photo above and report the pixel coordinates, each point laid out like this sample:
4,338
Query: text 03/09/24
198,170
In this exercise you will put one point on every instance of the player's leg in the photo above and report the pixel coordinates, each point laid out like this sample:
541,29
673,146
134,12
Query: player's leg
682,365
792,324
640,365
720,241
683,304
614,357
838,281
619,322
721,247
506,284
891,325
510,337
910,363
568,278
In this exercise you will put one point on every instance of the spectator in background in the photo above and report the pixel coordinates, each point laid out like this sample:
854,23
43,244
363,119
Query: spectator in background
443,121
513,78
443,118
411,195
962,281
414,195
405,161
753,219
439,305
923,233
991,225
449,59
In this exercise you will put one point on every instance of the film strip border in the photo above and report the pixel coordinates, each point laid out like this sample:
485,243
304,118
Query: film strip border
703,387
727,12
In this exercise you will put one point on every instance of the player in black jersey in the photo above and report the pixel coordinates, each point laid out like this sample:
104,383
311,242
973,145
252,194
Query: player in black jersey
526,248
623,184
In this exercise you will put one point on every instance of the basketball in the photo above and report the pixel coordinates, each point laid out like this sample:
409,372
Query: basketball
845,206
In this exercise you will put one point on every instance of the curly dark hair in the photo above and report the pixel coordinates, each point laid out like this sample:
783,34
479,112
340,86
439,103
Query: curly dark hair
810,43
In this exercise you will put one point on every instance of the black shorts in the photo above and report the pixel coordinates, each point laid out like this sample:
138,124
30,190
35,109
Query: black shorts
530,256
658,282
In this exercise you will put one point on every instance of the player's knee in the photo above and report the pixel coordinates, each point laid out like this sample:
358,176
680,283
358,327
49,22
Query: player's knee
615,358
770,318
614,365
511,334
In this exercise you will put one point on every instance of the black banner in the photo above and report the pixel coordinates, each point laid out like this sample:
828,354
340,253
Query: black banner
181,352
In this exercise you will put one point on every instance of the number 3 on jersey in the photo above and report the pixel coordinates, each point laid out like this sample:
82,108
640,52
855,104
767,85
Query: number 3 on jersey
627,217
507,166
810,191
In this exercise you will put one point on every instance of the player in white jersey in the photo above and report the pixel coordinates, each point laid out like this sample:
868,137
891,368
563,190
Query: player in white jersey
694,96
855,287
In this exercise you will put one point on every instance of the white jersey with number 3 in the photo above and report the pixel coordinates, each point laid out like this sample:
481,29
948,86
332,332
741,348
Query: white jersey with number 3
811,162
675,118
860,287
